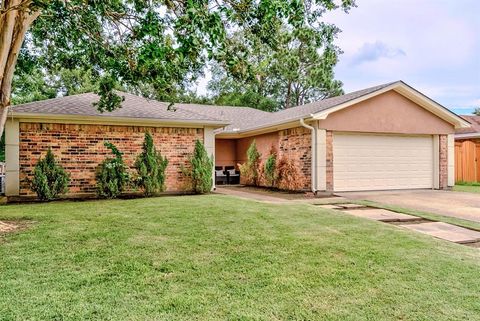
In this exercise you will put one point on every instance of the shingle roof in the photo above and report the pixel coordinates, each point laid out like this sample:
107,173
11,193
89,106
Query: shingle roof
240,119
132,107
474,122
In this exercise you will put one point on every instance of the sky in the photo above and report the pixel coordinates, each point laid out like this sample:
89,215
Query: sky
432,45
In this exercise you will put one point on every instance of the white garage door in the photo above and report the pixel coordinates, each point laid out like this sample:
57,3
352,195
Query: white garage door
378,162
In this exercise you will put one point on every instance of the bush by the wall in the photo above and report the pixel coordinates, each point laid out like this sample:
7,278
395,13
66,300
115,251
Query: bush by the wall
200,171
288,175
49,178
150,166
251,170
112,176
270,168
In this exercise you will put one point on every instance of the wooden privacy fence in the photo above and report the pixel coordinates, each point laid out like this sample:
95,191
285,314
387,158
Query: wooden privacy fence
466,165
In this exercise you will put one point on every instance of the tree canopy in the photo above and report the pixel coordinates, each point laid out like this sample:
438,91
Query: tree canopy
159,44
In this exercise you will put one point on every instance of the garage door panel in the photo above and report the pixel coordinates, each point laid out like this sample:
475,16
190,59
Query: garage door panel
376,162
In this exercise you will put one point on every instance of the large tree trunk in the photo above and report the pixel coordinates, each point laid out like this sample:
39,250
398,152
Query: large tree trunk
15,20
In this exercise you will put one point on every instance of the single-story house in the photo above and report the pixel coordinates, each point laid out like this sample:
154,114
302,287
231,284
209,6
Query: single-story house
384,137
467,151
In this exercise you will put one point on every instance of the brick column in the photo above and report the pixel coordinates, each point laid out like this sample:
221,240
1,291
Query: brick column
443,162
329,161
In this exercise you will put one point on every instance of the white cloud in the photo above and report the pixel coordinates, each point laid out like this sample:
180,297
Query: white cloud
439,39
375,51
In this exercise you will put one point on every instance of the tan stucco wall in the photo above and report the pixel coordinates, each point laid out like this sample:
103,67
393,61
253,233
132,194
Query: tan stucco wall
389,112
225,152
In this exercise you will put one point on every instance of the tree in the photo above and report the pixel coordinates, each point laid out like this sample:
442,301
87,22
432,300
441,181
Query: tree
162,43
476,111
2,147
150,166
298,69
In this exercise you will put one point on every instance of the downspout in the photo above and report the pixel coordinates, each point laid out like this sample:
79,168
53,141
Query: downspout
313,148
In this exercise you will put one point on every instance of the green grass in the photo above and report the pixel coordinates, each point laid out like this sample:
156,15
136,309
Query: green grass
220,258
467,188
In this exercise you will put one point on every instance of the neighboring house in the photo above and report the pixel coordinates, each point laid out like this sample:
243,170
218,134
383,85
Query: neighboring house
467,151
385,137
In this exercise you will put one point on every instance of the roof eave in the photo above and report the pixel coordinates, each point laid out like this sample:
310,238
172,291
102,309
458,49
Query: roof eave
258,130
467,135
113,120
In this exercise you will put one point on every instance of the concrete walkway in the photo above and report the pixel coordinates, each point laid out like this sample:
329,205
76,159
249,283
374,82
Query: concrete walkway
267,196
444,231
246,194
455,204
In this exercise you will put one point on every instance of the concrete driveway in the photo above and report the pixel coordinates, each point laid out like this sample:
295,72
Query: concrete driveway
456,204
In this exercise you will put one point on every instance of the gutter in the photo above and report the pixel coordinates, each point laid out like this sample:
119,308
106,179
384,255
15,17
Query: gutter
313,149
114,120
467,135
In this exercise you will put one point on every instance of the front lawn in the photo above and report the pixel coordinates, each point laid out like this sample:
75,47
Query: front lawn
221,258
467,188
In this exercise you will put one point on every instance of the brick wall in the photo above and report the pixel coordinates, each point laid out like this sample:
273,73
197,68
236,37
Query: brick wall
296,144
79,149
443,162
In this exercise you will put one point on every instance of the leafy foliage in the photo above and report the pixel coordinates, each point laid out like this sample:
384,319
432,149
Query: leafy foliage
150,166
251,170
49,178
165,44
200,172
296,70
33,83
476,111
111,175
270,168
288,175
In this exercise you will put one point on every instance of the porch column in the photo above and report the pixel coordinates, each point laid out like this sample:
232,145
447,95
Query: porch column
436,162
12,157
321,159
209,143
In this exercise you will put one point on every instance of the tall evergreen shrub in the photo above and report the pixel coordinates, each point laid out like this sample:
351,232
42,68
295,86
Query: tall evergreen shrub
150,166
200,171
251,170
49,178
112,176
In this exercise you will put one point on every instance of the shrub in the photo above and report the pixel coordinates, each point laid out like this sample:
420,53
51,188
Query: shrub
251,170
200,171
49,179
270,168
288,175
112,175
150,166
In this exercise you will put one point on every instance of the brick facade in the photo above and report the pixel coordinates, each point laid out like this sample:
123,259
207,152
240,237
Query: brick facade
295,143
79,149
329,160
443,161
